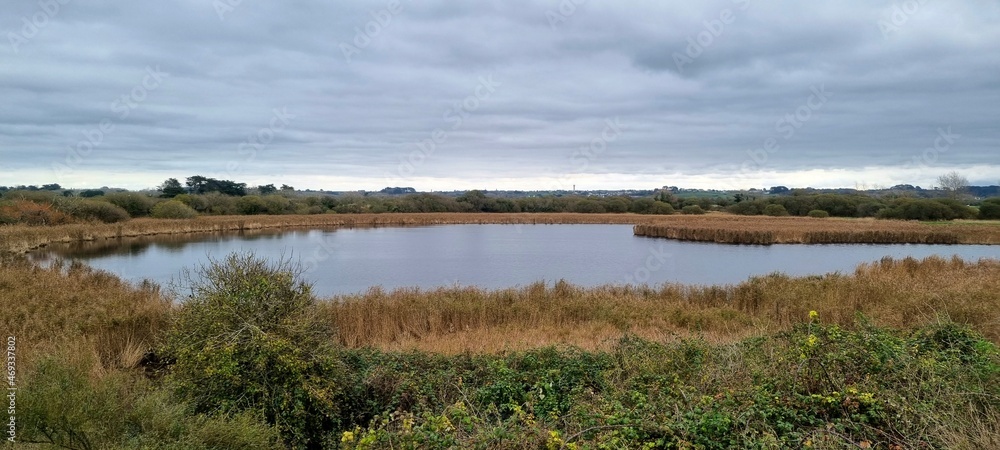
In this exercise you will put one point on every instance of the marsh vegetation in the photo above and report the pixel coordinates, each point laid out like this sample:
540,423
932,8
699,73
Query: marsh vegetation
898,353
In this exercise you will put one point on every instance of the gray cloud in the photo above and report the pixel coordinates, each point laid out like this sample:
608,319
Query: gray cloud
896,77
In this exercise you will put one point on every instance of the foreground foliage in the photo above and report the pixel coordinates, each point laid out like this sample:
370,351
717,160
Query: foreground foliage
247,340
250,361
814,386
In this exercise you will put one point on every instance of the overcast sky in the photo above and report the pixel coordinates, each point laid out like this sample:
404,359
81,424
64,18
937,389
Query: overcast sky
500,94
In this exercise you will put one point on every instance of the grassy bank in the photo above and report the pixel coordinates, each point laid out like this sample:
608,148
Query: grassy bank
758,230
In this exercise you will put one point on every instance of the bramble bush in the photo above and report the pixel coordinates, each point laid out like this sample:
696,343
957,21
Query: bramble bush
248,340
815,386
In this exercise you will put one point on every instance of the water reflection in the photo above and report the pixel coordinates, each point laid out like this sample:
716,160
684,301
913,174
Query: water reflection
349,260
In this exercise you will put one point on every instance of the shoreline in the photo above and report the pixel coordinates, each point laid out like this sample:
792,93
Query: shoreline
719,228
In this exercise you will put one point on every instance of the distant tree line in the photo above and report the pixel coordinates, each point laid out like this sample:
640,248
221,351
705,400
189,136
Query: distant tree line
840,205
200,195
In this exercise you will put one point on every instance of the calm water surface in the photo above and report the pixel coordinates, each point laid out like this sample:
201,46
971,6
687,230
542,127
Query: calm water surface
352,260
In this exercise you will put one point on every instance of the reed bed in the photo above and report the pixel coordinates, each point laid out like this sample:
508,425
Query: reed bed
22,238
899,293
47,307
761,230
72,306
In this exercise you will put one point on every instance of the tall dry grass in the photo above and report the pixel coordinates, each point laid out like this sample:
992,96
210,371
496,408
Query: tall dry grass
71,304
76,308
23,238
763,230
899,293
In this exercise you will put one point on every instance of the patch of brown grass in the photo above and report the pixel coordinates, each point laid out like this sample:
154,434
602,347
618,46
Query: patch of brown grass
48,308
899,293
74,306
765,230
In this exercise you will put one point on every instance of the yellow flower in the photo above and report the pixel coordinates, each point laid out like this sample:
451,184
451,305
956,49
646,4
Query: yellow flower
813,315
348,436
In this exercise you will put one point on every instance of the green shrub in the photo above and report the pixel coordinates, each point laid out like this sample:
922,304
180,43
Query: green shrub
91,193
926,210
64,404
692,209
136,205
85,209
34,196
248,340
250,205
276,204
173,209
588,206
775,210
215,203
959,210
745,208
662,208
819,214
990,209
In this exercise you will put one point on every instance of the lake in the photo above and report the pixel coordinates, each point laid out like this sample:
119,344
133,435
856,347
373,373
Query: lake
351,260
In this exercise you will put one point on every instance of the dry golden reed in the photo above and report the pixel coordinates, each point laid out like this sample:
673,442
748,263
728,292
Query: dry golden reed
72,306
764,230
900,293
